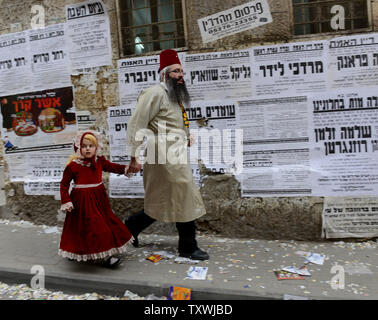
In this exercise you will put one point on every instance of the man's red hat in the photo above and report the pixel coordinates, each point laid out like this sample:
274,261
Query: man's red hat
168,57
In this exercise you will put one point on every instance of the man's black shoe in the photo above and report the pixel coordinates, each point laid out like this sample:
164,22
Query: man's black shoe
134,242
196,255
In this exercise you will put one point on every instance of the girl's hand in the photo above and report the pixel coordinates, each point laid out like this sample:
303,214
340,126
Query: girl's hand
67,207
127,173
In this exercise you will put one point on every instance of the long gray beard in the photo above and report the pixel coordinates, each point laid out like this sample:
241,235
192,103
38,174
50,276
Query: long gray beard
178,92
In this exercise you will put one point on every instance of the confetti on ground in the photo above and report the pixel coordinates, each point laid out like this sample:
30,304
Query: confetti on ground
186,260
248,262
24,292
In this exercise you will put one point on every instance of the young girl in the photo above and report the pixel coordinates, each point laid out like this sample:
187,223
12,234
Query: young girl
91,231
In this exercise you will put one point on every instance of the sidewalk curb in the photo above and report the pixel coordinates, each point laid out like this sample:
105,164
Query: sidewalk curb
117,287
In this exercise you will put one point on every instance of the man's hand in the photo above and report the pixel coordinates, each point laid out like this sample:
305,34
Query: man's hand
191,140
134,165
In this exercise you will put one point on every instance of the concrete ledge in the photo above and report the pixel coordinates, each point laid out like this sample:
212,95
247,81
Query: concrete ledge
116,287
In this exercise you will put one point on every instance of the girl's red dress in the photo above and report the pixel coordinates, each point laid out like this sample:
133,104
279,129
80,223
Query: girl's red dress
91,230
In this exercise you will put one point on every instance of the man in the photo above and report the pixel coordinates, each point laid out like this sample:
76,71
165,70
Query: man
171,194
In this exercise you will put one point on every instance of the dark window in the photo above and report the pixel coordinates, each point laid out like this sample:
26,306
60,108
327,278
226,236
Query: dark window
151,25
316,16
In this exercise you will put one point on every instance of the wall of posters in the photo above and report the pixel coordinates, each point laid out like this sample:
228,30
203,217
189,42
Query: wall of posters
307,110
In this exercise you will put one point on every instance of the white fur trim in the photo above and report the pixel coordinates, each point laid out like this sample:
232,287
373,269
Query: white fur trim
81,162
95,256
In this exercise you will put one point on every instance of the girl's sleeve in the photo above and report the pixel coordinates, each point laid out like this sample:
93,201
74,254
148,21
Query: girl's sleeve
112,167
65,185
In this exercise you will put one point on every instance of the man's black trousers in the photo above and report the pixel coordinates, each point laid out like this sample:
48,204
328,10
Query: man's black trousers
186,230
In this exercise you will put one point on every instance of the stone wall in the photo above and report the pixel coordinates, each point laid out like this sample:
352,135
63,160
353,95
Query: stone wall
227,213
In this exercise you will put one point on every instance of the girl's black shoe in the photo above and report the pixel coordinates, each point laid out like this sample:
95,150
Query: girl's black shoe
112,262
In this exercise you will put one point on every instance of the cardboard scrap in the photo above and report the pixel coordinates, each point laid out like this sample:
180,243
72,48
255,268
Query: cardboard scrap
315,258
155,258
179,293
165,254
197,273
301,271
284,275
312,257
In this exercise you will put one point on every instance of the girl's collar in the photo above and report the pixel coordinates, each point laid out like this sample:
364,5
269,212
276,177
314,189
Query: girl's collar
85,162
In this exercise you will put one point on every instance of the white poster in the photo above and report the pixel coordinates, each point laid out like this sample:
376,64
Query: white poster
218,75
344,142
88,35
49,57
212,125
15,64
275,147
350,217
85,120
134,75
37,188
44,164
38,119
121,186
289,69
118,117
353,61
241,18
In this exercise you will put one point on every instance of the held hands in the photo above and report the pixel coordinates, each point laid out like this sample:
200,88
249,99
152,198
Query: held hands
191,140
133,167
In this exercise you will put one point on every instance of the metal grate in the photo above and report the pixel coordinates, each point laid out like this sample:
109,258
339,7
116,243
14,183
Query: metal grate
151,25
314,16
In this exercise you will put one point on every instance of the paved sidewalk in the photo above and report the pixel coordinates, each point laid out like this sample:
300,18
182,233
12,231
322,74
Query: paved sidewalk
237,269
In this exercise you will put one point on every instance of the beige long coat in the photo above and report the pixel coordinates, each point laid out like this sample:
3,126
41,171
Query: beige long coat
171,194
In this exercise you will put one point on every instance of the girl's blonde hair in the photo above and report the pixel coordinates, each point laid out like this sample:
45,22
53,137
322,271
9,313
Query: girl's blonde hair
87,136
